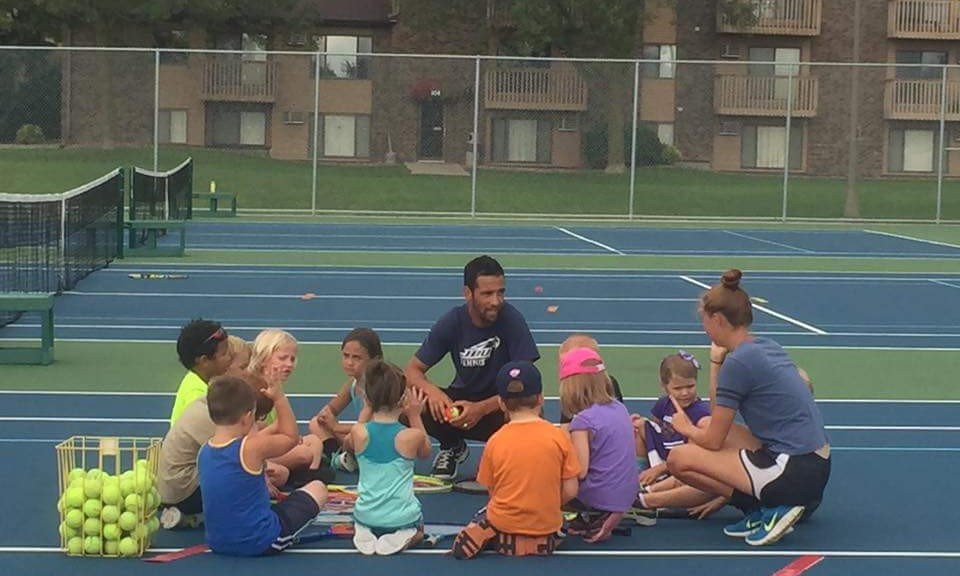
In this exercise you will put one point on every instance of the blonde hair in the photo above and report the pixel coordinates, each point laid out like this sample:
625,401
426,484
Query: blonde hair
578,340
580,391
268,342
237,346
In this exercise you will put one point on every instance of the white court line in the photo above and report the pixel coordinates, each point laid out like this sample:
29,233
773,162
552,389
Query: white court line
263,233
903,554
942,283
783,317
755,239
372,297
912,238
588,240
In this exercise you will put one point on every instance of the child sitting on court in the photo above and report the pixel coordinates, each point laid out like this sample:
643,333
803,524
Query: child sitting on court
177,478
236,502
602,435
530,470
274,359
359,346
387,517
202,349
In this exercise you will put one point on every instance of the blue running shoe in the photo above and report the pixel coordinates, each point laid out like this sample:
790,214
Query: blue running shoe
776,522
746,525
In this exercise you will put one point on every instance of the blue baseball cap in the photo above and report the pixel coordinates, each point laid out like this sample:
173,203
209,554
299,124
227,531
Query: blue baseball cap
519,379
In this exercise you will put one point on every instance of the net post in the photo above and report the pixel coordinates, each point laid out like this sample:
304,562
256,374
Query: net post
941,153
190,190
119,222
62,246
786,151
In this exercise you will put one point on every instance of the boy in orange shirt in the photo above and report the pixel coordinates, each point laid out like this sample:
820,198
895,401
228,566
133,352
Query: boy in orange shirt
530,469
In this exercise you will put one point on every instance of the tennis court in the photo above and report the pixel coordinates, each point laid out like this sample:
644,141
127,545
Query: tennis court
896,440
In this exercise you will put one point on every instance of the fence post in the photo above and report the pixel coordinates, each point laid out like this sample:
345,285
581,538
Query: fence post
156,112
633,137
316,132
786,149
941,152
476,137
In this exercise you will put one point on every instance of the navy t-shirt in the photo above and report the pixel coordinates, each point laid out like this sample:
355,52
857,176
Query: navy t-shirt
478,353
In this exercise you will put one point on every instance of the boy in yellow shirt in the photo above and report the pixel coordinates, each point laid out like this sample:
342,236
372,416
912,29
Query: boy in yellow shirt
530,469
203,351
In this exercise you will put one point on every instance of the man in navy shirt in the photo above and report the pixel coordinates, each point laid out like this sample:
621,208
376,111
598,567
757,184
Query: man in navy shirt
480,336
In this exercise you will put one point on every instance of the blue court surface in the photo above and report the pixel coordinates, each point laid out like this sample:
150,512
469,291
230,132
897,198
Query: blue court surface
622,308
894,463
579,239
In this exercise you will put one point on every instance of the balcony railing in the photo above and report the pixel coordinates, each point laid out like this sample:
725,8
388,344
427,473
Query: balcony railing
765,95
238,80
535,89
920,100
933,19
779,17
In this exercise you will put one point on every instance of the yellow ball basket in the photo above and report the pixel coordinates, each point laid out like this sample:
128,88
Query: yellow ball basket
108,497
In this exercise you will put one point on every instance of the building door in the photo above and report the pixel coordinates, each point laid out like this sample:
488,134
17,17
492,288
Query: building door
431,129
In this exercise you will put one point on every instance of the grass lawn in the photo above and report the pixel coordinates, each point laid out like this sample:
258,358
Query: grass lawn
264,183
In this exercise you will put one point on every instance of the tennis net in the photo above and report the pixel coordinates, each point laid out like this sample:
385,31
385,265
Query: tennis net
50,242
162,195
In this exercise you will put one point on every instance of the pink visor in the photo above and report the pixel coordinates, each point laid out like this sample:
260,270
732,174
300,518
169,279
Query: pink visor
580,361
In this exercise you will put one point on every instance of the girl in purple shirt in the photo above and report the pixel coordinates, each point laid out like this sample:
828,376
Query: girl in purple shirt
602,436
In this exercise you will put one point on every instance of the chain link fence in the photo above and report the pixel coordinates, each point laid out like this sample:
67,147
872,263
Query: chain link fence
324,132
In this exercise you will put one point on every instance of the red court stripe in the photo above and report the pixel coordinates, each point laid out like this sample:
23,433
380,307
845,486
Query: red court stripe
185,553
799,566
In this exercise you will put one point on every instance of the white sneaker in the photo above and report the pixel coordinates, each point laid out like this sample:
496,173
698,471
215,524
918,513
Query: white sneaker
395,541
364,540
170,517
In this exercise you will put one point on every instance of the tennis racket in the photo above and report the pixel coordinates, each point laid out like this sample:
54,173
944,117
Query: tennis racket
421,485
470,487
155,276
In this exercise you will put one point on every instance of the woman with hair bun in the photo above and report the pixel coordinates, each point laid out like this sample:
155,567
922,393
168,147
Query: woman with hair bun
775,484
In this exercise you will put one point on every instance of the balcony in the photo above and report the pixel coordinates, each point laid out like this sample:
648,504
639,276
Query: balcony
535,89
777,17
741,95
930,19
910,99
239,80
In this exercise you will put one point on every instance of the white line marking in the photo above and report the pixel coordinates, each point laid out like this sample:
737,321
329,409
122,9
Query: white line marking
783,317
589,241
370,297
912,238
755,239
942,283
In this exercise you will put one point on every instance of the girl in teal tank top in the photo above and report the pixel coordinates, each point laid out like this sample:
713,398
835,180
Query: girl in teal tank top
387,513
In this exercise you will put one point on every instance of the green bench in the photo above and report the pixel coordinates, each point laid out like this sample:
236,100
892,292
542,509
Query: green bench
154,229
30,302
219,203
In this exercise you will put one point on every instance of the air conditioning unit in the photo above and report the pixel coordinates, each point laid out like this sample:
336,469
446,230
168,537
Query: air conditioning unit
297,39
731,52
729,128
293,117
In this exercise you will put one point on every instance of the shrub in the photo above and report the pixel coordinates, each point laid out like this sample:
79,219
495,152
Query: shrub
650,151
29,134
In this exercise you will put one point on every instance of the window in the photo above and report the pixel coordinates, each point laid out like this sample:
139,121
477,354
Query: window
343,136
777,64
176,39
665,133
254,47
173,126
521,140
765,147
232,125
665,53
253,128
342,60
911,151
930,72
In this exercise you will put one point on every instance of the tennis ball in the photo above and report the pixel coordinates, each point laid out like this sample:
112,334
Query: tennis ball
110,514
76,474
91,527
111,547
74,519
142,465
95,474
132,502
153,525
67,531
76,483
75,546
452,413
92,487
111,532
61,505
92,545
74,497
127,486
127,521
129,547
141,532
149,501
110,494
143,481
92,507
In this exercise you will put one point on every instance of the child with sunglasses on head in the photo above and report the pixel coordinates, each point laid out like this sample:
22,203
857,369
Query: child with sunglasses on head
203,350
603,439
359,346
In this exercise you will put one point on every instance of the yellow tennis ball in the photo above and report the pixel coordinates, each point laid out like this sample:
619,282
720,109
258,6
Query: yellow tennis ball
128,486
75,546
111,494
74,497
153,524
92,545
74,518
111,532
129,547
92,507
111,547
91,527
67,531
76,474
132,502
127,521
109,514
92,487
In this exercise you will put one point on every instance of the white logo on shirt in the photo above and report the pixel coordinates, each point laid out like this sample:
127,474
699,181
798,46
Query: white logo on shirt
478,354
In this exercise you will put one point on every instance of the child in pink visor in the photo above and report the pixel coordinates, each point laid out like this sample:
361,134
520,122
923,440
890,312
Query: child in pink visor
602,435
